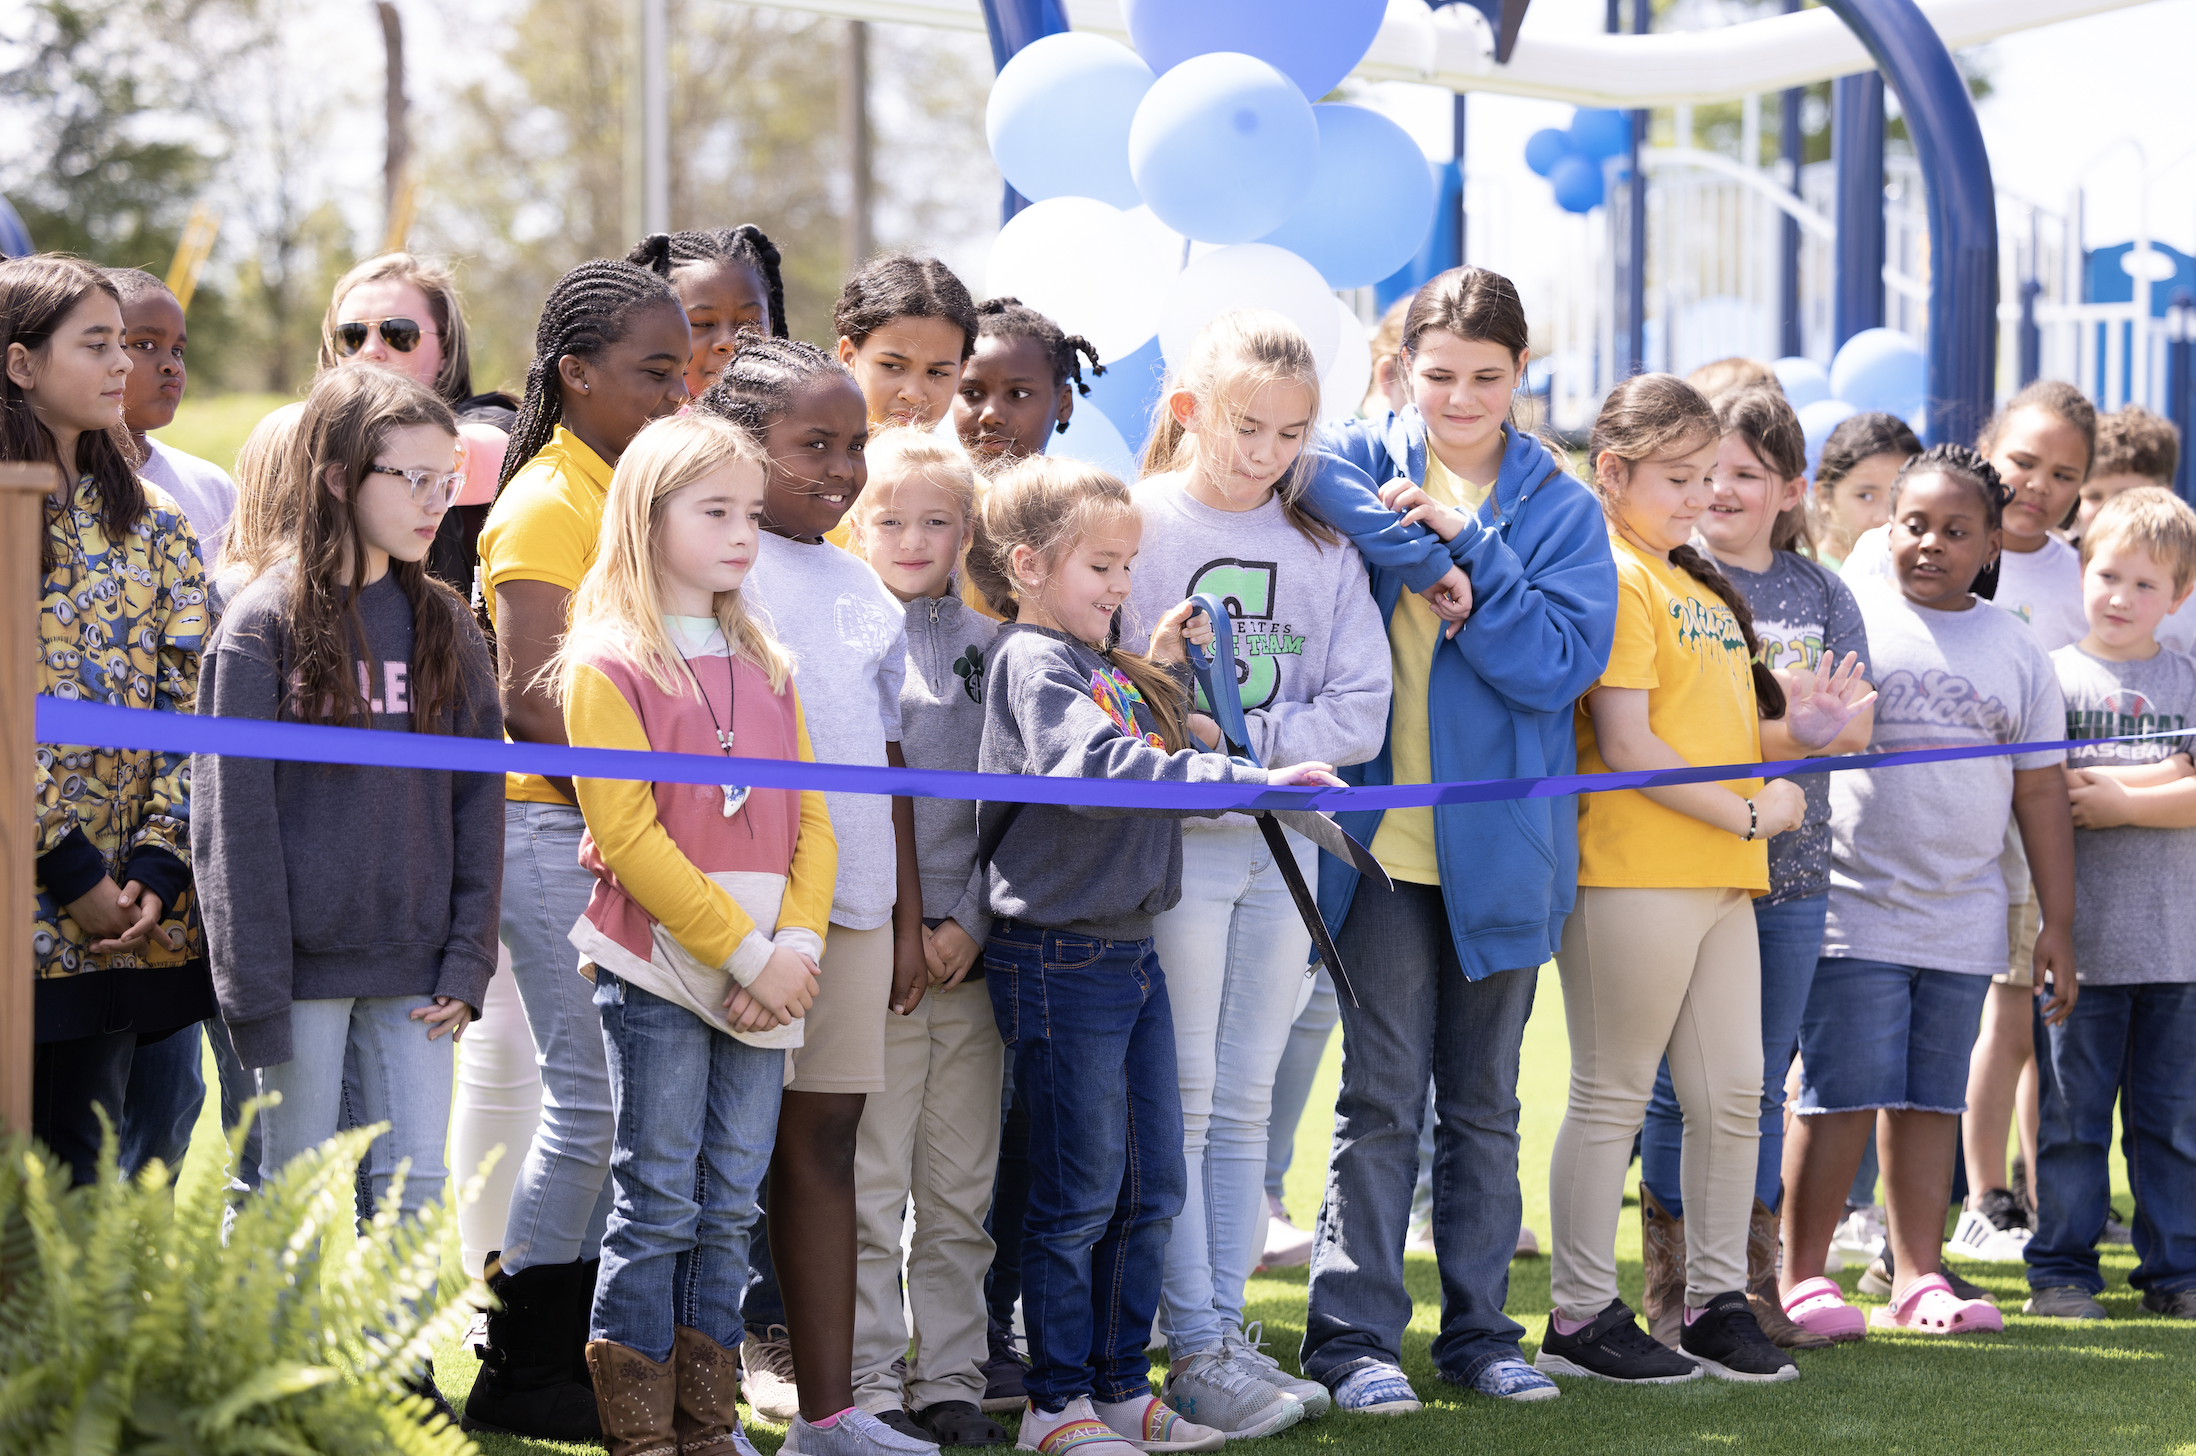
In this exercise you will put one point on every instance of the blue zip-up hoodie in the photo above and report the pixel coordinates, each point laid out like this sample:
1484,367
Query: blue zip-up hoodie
1544,596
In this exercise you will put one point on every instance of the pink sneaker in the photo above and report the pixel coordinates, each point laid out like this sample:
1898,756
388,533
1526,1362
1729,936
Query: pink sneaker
1929,1307
1818,1306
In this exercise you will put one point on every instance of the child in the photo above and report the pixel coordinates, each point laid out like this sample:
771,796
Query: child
2135,448
155,338
906,327
384,938
728,281
1075,981
849,636
609,356
1806,624
1853,480
2134,807
1916,924
935,1131
115,946
1019,385
1223,513
705,925
1661,957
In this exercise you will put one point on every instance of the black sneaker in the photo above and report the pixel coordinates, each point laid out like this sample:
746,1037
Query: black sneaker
1002,1371
1730,1345
1614,1347
2172,1303
438,1412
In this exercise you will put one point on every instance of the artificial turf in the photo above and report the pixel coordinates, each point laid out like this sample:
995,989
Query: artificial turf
2127,1385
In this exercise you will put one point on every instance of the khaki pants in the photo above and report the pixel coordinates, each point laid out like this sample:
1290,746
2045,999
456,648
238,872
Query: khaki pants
933,1133
1648,974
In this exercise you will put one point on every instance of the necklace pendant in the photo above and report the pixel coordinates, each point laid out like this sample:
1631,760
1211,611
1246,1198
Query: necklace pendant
735,795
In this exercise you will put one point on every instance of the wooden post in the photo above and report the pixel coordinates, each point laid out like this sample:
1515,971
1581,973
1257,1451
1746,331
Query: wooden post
22,527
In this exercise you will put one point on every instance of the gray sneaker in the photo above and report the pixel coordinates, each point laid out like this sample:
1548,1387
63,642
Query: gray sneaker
1247,1353
855,1433
2064,1301
2172,1303
1210,1390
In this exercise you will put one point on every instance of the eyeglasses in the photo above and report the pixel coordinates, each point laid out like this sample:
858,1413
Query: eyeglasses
400,334
431,489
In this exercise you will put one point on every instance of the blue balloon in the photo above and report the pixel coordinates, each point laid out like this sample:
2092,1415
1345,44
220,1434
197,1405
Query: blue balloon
1601,134
1224,148
1058,118
1371,202
1804,380
1881,369
1546,147
1128,392
1817,420
1315,43
1578,184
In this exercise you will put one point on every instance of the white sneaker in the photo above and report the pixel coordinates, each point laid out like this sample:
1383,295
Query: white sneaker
1206,1395
1287,1246
1420,1239
1860,1234
1976,1237
1247,1353
1075,1427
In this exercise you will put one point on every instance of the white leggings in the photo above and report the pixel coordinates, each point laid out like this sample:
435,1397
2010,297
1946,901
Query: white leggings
498,1104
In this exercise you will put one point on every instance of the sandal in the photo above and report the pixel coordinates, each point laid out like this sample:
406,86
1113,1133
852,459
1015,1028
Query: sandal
1818,1306
1930,1307
960,1423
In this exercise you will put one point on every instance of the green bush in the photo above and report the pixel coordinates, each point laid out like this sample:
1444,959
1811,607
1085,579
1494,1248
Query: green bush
129,1323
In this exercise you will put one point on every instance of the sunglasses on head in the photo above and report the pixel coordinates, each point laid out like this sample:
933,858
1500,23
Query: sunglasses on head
432,490
400,334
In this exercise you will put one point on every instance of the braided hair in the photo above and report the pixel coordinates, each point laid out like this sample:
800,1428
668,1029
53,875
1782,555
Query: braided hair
588,310
1010,318
758,383
901,285
1973,467
662,253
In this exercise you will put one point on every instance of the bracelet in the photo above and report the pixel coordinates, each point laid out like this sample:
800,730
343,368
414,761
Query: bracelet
1753,822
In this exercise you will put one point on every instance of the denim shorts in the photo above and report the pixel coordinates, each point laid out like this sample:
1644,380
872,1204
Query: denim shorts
1879,1035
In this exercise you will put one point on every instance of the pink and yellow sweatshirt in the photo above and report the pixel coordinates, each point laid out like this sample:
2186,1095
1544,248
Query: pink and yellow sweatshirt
687,901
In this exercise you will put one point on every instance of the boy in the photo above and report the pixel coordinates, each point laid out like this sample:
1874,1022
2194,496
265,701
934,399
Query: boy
2135,447
2134,809
152,332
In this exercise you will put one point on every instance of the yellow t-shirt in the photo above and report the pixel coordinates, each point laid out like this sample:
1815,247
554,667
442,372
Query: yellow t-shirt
545,527
1676,639
1404,843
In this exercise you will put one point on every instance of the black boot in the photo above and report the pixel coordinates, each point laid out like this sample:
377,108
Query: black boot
527,1384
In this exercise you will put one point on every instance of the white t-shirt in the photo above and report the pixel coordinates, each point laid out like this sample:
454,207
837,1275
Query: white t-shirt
848,637
202,488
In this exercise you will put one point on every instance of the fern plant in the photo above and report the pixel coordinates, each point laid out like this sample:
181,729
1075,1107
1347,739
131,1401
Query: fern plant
130,1323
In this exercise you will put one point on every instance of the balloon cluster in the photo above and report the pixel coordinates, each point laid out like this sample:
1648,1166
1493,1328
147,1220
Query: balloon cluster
1194,175
1879,370
1574,158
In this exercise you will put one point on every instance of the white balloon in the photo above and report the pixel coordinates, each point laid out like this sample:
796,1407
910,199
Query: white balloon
1092,438
1085,265
1249,275
1342,388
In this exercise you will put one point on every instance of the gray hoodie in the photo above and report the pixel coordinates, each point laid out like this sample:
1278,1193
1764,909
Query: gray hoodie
1053,706
942,727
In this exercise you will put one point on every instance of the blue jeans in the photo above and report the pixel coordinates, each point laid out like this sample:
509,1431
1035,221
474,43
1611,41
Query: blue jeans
697,1115
1009,1206
2142,1037
160,1109
563,1193
1420,1019
403,1080
1092,1037
1791,940
1292,1080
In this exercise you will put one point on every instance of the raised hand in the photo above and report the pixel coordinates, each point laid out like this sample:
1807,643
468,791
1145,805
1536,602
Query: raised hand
1304,775
1820,701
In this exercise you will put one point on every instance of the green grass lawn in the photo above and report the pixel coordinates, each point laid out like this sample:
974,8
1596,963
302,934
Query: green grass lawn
214,426
2127,1386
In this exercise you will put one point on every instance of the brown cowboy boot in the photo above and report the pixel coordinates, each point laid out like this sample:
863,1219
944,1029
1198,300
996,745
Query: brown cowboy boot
1761,1287
707,1417
637,1399
1662,1248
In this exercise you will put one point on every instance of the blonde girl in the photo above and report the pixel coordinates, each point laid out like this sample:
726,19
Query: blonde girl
705,926
1223,514
1659,957
1074,975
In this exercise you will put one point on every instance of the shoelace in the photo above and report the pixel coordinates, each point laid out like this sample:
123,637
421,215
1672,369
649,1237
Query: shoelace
776,1351
1218,1372
1627,1339
1250,1346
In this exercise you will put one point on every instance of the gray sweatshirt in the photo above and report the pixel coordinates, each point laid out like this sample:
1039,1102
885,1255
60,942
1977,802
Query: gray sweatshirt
322,881
1053,706
942,727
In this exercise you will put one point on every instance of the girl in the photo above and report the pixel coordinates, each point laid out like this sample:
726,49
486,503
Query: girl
906,327
728,281
1917,925
935,1132
1075,981
1222,511
1806,625
1661,956
705,926
384,940
1019,385
1446,964
849,636
609,356
115,947
1853,481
